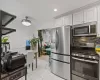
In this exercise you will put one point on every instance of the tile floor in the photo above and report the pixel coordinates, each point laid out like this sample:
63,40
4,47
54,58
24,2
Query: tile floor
42,72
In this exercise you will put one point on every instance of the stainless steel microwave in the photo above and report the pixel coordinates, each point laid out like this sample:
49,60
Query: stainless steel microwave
85,29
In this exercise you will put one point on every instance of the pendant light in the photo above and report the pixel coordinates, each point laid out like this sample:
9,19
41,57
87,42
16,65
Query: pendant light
26,22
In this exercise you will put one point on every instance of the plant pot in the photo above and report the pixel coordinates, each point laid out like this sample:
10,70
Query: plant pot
34,47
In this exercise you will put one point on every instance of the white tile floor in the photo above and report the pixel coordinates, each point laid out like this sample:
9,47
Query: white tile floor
42,72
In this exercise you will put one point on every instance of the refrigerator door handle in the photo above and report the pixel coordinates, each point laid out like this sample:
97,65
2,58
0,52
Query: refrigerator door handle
57,39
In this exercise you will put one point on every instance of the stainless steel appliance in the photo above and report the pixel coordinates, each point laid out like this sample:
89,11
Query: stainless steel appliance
60,48
84,41
84,60
85,66
12,61
86,29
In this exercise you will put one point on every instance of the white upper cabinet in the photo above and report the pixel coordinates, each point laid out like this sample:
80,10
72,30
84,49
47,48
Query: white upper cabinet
90,15
98,23
68,20
59,22
84,16
78,18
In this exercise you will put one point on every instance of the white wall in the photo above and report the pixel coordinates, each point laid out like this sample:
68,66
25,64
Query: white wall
18,38
46,25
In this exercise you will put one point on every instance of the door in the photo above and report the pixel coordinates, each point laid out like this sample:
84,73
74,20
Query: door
57,40
67,40
74,77
68,20
53,39
90,15
60,40
81,30
63,40
85,68
78,18
60,69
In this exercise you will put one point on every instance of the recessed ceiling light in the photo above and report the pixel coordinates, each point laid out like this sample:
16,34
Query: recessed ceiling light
55,10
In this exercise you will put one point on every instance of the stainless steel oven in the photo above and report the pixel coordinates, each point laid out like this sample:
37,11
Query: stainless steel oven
84,60
84,69
85,29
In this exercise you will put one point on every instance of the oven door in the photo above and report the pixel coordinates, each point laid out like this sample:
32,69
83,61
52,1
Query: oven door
85,68
81,30
74,77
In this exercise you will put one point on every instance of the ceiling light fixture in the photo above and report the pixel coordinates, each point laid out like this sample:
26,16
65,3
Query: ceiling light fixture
26,22
55,10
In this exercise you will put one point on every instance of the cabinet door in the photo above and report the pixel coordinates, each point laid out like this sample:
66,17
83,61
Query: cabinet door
90,15
98,23
68,20
59,22
78,18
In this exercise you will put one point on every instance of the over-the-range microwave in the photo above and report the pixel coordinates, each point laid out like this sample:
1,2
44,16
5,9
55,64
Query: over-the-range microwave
86,29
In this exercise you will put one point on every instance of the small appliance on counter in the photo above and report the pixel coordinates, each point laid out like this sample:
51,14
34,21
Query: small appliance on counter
12,61
84,60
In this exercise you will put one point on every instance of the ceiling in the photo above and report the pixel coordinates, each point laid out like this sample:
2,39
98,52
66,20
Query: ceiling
41,11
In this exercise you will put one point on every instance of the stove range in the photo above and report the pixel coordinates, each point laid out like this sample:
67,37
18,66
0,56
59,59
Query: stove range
89,55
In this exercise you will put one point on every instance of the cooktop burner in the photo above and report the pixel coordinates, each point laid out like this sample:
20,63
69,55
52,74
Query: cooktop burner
91,55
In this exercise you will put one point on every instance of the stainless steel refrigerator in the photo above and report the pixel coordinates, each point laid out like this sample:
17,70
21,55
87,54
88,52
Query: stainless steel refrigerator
60,52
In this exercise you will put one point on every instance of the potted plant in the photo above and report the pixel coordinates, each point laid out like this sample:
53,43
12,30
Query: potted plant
34,42
5,39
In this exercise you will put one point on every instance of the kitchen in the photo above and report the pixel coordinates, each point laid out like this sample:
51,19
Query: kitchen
74,41
79,59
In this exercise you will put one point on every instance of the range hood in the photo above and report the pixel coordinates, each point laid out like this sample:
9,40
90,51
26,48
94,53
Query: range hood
7,18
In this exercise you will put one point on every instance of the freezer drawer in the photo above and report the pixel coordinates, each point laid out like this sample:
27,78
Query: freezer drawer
74,77
60,69
60,57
